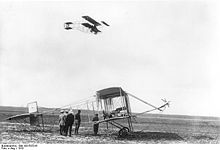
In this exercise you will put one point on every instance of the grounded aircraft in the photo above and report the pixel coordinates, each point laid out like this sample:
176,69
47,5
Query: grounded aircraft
87,25
113,104
34,116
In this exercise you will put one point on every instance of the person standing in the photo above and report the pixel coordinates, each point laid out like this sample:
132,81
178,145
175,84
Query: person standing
62,122
77,121
95,125
65,126
69,123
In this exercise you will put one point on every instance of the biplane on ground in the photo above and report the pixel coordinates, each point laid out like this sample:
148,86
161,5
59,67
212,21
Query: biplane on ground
88,23
112,105
115,106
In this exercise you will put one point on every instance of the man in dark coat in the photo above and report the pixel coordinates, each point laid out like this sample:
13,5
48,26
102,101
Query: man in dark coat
69,123
95,126
77,121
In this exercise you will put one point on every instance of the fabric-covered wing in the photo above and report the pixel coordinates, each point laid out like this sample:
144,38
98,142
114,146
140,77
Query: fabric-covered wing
110,93
87,25
16,117
91,20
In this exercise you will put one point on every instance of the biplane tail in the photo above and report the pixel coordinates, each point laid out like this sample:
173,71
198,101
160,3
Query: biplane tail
160,108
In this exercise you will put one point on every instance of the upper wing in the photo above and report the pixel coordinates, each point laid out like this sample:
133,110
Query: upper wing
91,20
21,116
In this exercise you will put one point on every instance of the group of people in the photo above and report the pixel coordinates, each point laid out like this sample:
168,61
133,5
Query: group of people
67,119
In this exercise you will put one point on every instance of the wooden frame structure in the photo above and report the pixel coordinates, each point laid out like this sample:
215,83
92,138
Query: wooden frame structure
115,105
35,118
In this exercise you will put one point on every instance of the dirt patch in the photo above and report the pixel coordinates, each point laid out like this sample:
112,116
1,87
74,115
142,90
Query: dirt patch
203,137
153,133
153,136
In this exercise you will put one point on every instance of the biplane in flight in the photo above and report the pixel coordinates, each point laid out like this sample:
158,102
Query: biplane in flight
88,24
112,104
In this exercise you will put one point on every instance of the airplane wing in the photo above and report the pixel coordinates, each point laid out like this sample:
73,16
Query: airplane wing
87,25
21,116
91,20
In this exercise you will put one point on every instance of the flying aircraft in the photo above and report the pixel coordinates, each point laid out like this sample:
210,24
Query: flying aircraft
112,104
87,23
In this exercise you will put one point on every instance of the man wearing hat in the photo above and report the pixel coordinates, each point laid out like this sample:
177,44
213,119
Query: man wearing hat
62,119
69,123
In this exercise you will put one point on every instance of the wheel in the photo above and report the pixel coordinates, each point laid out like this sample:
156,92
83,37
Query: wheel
123,132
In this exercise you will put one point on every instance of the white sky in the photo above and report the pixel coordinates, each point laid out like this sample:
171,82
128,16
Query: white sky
153,49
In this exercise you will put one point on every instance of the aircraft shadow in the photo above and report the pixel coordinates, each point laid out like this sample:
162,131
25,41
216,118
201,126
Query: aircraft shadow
153,136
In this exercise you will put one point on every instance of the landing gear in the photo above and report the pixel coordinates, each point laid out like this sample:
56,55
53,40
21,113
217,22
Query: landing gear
123,132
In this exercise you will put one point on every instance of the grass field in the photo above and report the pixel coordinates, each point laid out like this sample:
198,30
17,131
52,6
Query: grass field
150,128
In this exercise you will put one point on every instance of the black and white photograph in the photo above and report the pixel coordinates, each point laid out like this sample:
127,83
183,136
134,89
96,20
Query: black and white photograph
109,72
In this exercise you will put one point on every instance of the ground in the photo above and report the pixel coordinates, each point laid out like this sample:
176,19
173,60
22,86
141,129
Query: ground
147,130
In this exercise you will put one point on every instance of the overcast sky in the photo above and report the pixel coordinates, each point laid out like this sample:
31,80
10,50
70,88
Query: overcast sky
152,49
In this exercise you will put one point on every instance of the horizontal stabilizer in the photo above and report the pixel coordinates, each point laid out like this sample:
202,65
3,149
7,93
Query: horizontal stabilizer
105,23
21,116
68,23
